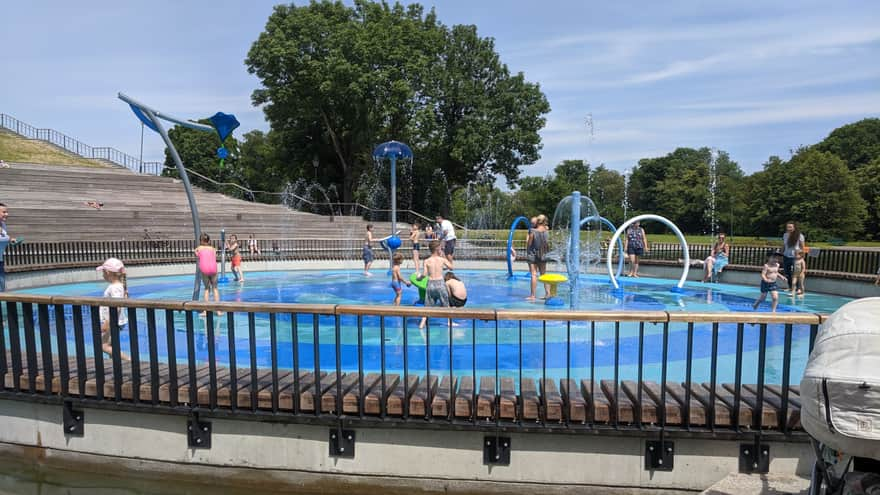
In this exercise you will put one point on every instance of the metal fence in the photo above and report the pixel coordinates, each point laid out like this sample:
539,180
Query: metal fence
70,254
79,148
648,372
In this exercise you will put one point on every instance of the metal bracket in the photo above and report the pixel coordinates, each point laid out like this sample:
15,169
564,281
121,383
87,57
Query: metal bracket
198,433
496,451
74,420
754,458
659,455
342,443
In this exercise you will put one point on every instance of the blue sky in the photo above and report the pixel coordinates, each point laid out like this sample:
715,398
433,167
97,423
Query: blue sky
751,78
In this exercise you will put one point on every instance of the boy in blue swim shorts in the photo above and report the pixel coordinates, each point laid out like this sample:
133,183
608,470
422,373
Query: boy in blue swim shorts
769,275
397,279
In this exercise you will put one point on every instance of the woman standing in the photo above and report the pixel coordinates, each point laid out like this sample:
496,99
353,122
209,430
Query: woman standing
635,244
792,240
537,246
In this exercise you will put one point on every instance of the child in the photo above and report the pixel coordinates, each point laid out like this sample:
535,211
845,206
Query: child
769,274
367,253
114,273
429,233
232,245
396,278
798,273
436,294
457,290
253,246
414,234
207,256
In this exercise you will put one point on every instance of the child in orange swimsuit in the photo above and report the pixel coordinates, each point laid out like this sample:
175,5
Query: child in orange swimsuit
232,245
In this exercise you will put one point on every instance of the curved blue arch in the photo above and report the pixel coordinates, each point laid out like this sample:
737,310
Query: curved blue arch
622,257
513,225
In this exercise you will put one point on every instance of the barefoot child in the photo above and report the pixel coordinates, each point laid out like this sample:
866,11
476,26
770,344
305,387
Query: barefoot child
798,273
114,273
769,274
414,234
397,279
233,246
367,254
207,256
436,294
457,290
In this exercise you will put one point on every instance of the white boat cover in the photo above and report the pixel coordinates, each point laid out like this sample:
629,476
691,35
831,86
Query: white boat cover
840,390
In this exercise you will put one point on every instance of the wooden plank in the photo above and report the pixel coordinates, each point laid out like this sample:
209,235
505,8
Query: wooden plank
375,395
486,398
328,398
203,395
697,411
793,390
722,412
672,408
508,399
621,406
648,408
419,400
794,405
400,394
351,401
724,395
551,399
597,402
769,414
464,397
307,400
529,396
202,376
440,404
286,391
575,405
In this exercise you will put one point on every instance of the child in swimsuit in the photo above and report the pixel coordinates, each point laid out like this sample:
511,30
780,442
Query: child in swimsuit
207,256
397,279
414,234
798,273
436,293
232,245
769,274
367,253
457,290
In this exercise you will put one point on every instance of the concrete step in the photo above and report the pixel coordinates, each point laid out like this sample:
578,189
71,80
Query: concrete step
759,484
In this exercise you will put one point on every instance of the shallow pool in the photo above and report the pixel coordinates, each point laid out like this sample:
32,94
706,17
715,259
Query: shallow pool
469,346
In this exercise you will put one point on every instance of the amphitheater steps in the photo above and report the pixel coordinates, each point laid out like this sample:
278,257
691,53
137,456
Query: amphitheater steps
47,203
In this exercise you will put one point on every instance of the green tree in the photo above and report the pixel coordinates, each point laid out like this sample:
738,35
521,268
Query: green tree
198,152
857,144
338,80
606,191
815,189
868,179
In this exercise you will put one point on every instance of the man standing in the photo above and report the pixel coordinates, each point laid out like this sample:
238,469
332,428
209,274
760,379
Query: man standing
447,235
5,240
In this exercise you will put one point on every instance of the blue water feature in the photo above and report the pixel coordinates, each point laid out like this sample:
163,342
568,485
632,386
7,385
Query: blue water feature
553,349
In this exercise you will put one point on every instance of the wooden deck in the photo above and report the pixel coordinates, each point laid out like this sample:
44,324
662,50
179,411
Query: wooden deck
540,401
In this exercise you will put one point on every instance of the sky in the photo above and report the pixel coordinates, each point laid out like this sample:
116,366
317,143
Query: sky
625,80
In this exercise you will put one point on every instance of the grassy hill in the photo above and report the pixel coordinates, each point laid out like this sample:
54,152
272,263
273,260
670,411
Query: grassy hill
14,148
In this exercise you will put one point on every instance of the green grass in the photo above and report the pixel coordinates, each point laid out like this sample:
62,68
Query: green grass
14,148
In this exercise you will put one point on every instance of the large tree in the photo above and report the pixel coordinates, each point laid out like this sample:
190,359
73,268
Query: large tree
337,80
814,188
857,144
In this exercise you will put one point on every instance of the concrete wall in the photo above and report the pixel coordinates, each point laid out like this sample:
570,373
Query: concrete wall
387,460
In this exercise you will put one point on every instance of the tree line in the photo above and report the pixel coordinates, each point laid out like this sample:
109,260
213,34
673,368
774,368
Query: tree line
336,80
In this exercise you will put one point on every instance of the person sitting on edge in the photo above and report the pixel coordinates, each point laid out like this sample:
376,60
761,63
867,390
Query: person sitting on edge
397,278
457,290
94,204
253,246
769,274
436,293
718,258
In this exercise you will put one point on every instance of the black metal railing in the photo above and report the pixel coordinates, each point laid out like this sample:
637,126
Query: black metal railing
79,148
487,369
58,254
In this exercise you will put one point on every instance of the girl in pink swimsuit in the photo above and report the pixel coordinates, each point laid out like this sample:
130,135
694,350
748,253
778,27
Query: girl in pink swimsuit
207,256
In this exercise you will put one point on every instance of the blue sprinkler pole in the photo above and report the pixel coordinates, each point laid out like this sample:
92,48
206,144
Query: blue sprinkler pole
574,246
393,208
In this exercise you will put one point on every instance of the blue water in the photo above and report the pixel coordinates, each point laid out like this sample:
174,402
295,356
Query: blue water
552,348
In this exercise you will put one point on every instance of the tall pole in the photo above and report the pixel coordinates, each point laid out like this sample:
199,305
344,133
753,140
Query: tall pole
393,194
141,162
574,246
